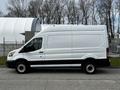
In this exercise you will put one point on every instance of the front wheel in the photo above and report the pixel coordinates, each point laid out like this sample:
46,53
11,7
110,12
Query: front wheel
89,68
21,67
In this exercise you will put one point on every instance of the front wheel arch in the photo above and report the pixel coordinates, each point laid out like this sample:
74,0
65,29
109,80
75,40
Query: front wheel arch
18,61
21,60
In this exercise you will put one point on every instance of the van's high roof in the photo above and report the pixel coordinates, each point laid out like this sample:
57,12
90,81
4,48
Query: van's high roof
56,28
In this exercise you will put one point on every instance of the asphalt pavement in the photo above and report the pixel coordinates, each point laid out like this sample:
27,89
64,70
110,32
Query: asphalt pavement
75,79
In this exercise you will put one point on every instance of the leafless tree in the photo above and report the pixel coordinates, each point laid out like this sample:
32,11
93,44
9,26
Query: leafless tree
53,11
17,8
69,11
118,17
109,8
1,14
85,8
58,12
72,12
104,9
114,12
93,10
35,8
47,9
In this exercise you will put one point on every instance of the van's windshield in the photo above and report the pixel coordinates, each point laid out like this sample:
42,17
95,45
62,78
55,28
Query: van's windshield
33,45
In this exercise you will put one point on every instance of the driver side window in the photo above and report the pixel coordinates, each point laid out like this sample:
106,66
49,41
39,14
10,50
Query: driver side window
33,45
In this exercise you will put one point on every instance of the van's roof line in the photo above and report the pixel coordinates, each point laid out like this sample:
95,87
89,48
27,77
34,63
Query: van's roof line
55,28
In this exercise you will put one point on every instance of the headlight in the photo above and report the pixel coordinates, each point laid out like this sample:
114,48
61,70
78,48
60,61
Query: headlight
11,54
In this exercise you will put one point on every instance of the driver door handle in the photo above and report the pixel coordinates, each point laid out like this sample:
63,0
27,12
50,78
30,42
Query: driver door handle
41,52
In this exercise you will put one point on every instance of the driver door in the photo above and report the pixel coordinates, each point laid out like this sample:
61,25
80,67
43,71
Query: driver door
33,50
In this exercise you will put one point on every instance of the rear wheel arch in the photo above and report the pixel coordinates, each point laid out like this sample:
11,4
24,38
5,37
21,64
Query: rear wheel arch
89,63
89,60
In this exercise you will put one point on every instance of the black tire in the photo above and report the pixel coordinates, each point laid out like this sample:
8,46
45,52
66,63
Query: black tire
22,67
89,68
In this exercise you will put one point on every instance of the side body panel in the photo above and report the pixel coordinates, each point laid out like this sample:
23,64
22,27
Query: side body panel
87,44
58,46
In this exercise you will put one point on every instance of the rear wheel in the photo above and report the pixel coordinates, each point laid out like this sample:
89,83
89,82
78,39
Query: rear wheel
22,67
89,68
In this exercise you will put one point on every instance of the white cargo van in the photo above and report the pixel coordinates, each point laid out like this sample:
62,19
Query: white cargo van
63,46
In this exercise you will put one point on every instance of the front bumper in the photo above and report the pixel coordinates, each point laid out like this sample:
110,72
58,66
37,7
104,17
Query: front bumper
10,64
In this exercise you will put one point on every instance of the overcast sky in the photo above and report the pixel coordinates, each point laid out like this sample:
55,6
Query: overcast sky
3,5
